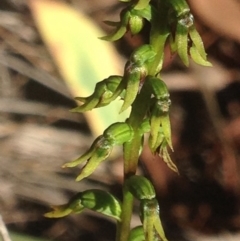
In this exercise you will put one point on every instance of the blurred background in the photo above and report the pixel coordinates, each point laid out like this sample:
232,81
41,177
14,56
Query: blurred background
50,53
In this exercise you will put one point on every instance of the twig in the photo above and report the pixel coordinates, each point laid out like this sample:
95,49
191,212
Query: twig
4,231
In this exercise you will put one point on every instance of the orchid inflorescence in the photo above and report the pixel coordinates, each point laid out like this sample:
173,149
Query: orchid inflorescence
142,89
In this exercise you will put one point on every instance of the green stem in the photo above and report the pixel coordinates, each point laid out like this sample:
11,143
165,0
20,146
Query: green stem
131,155
123,228
132,149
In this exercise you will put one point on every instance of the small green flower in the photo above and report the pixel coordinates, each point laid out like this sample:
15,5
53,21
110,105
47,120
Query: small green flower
115,134
159,114
186,39
95,200
98,152
105,92
152,225
131,19
135,72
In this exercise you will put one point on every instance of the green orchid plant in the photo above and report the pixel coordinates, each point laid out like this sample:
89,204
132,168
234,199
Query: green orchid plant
141,89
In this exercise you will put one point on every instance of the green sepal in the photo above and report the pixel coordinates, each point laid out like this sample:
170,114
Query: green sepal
102,95
116,35
61,211
74,205
166,129
142,55
197,41
152,225
181,39
197,58
116,134
98,143
159,119
132,19
180,7
145,13
140,187
121,27
137,234
95,200
159,114
155,143
160,145
173,44
100,155
159,88
141,4
135,72
197,50
132,78
98,152
155,122
185,31
102,202
164,153
119,133
145,126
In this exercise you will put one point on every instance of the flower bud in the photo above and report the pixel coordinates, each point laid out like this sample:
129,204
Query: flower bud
135,24
98,152
102,95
